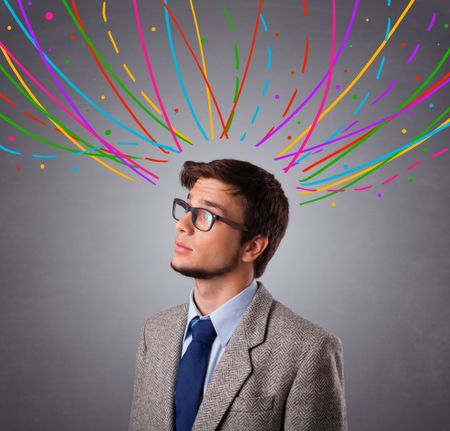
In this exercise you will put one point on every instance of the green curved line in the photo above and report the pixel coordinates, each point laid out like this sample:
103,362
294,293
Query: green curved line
62,126
411,97
115,77
228,17
236,55
236,89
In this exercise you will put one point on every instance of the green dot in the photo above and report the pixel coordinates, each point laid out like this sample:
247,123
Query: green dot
67,61
354,97
410,180
445,25
299,122
203,40
107,132
425,149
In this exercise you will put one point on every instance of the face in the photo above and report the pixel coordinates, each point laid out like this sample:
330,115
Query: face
205,255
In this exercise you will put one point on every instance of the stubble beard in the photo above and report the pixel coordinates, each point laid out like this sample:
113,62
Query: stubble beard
207,274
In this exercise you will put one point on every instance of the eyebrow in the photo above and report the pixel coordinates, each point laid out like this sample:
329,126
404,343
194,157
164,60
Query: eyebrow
210,204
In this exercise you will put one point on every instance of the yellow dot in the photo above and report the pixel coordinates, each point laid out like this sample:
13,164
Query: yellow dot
153,28
367,19
103,97
42,166
404,131
9,28
333,204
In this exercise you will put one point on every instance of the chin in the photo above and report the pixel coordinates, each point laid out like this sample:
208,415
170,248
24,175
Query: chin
203,273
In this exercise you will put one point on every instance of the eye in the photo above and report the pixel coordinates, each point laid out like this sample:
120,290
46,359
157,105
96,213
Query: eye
207,216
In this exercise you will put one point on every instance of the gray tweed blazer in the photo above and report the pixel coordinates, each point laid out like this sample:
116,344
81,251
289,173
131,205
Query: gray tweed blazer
278,372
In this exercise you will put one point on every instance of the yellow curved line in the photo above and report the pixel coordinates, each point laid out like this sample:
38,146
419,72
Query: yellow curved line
104,11
357,78
129,72
200,45
374,166
77,144
113,42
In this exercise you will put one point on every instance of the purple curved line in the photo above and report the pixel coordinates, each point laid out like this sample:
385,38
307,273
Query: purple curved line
413,54
325,94
351,125
69,100
312,94
385,92
433,19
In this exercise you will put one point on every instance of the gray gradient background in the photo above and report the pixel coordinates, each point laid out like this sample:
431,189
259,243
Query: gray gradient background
85,256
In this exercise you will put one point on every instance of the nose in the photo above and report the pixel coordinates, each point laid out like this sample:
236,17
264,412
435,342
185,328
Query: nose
185,224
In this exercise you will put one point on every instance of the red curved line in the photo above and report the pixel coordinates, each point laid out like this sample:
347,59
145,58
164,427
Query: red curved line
305,57
246,67
196,62
156,160
105,75
8,100
290,102
305,8
34,118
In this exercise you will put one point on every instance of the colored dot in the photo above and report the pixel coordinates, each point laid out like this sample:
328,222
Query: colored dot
42,166
153,28
354,97
338,87
18,169
410,180
67,61
48,16
75,168
277,96
299,122
379,195
417,78
431,105
403,43
425,149
107,132
203,40
289,137
72,37
292,72
49,50
404,131
345,70
277,34
446,25
11,138
9,28
29,3
345,166
367,19
103,97
176,109
333,204
350,46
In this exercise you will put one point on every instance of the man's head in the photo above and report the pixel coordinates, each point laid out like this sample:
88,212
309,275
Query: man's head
240,192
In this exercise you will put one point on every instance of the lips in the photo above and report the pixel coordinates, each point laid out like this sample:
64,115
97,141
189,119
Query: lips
179,246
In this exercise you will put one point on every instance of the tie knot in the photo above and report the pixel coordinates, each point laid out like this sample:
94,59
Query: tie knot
203,331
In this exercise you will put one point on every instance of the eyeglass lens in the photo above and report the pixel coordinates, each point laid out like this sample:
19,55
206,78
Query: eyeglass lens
202,219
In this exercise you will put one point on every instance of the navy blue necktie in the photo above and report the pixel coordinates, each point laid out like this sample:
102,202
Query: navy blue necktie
191,374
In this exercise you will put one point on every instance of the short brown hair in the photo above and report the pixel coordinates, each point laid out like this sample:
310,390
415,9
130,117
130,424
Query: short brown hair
266,209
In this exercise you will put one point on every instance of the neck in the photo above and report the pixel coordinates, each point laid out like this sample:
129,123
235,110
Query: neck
211,294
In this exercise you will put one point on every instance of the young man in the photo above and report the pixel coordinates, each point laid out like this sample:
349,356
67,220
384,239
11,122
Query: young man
234,358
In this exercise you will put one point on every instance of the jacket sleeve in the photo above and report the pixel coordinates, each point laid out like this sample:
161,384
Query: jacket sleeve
138,389
316,400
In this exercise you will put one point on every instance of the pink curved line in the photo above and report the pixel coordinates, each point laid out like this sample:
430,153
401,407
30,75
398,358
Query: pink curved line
324,98
389,179
116,152
360,189
152,76
414,164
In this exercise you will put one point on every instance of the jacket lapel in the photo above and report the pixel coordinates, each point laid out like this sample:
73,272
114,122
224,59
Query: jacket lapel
235,364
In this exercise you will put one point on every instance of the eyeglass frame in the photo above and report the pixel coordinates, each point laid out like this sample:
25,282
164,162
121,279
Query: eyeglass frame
215,217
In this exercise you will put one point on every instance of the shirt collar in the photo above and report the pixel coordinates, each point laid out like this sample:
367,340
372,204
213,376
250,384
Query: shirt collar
226,317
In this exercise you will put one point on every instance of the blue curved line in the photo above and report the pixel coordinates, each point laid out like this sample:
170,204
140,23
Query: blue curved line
388,29
361,104
269,58
75,88
303,158
266,86
175,61
255,115
263,22
243,136
380,68
379,159
43,156
16,153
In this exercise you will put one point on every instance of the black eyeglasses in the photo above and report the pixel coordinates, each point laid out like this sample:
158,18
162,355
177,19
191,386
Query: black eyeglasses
202,218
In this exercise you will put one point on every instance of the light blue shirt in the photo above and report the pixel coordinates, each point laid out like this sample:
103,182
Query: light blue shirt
224,319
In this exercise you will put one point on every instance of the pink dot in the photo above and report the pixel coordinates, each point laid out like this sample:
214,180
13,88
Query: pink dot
48,16
11,138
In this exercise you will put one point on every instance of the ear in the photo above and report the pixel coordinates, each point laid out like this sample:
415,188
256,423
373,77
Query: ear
252,249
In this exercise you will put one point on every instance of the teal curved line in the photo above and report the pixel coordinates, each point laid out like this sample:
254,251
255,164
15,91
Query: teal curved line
379,159
263,21
180,78
83,95
8,150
